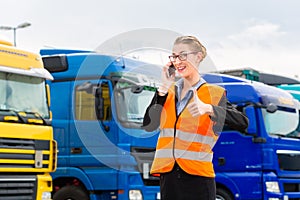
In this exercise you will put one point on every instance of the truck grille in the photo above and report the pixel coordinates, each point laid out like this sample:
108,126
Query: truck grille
17,187
24,154
289,160
291,187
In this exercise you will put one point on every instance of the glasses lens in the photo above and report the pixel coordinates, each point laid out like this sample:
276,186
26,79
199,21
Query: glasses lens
182,56
172,58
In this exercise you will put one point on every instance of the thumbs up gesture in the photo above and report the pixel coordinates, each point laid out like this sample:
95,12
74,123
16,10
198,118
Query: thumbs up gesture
198,108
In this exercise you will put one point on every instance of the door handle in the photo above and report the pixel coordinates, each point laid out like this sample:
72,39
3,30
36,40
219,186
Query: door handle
76,150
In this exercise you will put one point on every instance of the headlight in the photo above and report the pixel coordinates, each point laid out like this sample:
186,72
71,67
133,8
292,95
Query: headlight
272,186
46,196
135,195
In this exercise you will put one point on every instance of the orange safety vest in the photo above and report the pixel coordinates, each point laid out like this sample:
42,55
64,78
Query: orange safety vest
186,139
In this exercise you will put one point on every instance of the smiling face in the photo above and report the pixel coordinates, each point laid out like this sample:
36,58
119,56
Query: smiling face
188,67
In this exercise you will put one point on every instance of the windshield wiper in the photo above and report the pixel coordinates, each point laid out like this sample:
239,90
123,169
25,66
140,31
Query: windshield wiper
30,117
280,135
16,113
36,115
294,134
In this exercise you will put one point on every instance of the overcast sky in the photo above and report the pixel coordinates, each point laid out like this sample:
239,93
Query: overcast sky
262,34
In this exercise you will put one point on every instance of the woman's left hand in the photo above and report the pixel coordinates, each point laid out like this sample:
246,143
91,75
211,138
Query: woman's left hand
198,107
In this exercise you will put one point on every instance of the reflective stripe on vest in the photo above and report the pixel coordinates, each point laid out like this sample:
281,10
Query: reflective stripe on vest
190,155
189,137
194,137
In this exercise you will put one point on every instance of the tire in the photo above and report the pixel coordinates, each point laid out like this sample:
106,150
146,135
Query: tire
71,192
223,194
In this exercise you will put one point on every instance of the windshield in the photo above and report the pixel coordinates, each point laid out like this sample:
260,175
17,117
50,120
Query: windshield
23,94
132,101
283,122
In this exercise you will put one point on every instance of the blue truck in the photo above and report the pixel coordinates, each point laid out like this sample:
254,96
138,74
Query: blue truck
288,141
263,163
98,104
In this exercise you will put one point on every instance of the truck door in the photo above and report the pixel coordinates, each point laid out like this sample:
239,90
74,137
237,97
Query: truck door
238,160
92,141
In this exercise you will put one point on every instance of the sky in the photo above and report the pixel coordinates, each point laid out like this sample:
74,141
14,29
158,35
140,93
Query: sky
260,34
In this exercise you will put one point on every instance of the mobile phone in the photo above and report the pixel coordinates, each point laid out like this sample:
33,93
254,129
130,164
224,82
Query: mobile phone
171,70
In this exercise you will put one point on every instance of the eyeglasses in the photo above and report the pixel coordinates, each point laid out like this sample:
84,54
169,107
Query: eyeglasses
182,56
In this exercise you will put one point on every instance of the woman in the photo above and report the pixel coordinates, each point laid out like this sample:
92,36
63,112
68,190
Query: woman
190,114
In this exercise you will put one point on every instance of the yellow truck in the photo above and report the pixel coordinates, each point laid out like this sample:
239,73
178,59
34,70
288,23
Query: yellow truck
28,152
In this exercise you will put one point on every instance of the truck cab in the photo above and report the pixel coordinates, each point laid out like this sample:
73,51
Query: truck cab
263,162
98,109
27,148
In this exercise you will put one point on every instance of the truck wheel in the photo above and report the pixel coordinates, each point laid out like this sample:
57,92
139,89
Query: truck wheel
223,194
71,192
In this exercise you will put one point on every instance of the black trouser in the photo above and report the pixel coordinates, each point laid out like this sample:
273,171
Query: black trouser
179,185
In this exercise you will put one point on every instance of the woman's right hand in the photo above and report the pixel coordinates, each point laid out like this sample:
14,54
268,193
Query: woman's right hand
166,79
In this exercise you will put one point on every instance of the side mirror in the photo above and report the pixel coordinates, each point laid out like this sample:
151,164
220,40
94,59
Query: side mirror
99,106
48,95
252,127
99,103
48,100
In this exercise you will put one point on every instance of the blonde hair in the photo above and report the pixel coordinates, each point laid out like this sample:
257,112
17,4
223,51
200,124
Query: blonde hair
193,42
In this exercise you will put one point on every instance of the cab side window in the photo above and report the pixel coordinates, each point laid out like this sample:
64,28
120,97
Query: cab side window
85,103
